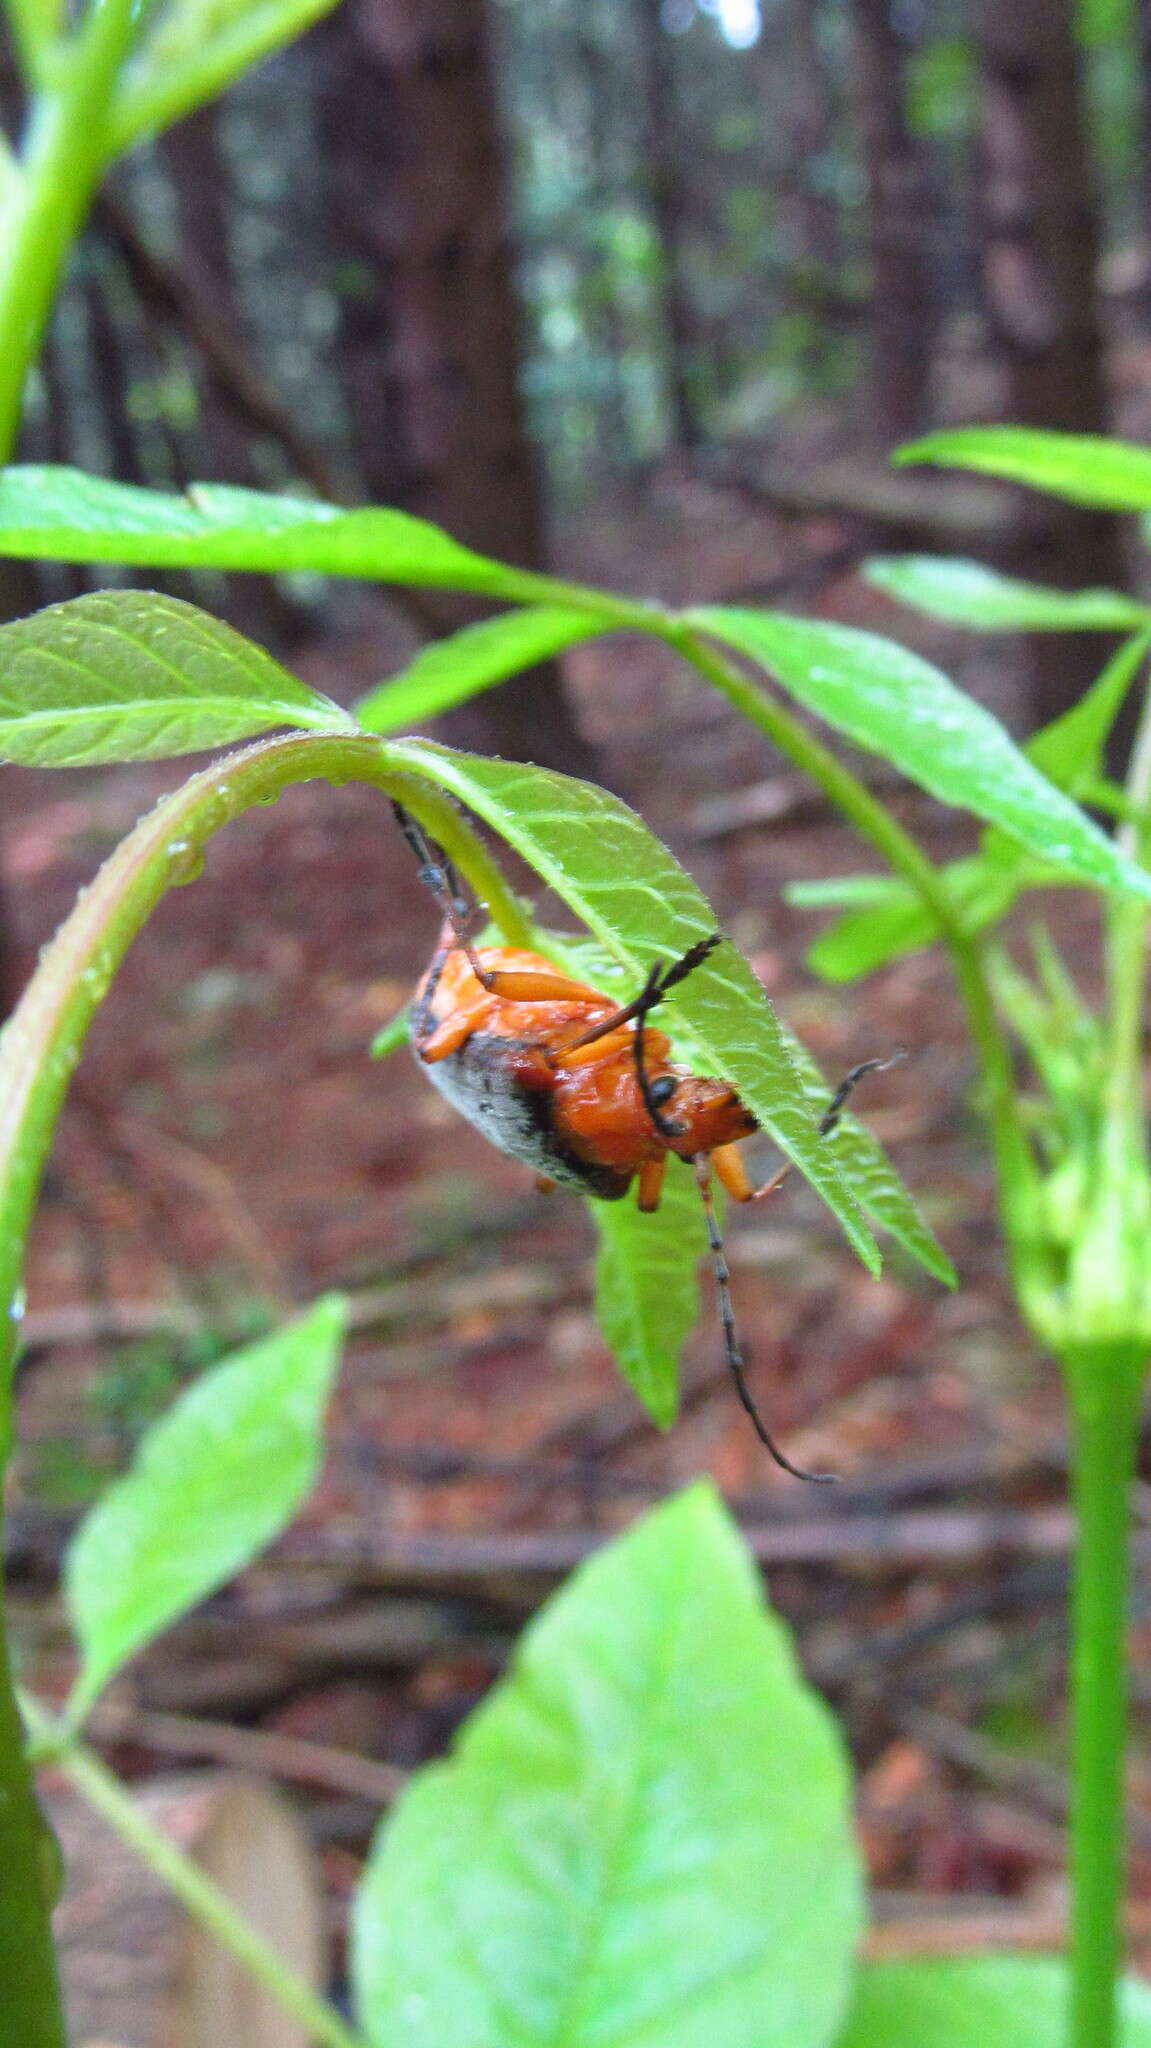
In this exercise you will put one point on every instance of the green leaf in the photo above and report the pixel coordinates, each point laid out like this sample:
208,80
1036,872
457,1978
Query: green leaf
983,888
390,1038
634,896
125,675
995,2001
868,936
1110,476
972,595
885,698
833,892
213,1482
194,49
452,670
869,1172
647,1286
643,1835
69,516
1070,750
886,918
34,26
866,1169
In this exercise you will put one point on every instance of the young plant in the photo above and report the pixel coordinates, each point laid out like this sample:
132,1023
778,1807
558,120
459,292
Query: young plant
126,675
98,80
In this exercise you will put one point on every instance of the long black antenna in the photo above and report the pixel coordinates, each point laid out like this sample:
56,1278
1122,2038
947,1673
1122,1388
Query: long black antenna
835,1107
731,1335
653,992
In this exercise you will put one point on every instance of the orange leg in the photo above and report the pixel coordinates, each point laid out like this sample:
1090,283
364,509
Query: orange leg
732,1175
450,1035
587,1055
532,985
653,991
651,1184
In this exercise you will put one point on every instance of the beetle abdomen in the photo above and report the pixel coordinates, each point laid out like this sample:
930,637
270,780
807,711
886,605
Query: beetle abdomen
489,1086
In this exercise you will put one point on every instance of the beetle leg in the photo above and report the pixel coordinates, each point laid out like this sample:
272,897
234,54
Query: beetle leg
534,985
651,1184
732,1174
422,1028
570,1056
449,1035
436,870
438,875
653,991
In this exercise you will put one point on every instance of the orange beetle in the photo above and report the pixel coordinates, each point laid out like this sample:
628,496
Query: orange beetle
579,1087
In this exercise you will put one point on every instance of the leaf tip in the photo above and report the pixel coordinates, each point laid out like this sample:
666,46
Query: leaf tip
913,451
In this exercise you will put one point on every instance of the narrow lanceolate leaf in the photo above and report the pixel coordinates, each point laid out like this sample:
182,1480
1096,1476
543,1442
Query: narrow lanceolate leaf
194,50
69,516
647,1287
970,594
1071,750
643,1835
883,697
982,2001
213,1482
865,1166
982,889
886,918
392,1035
125,675
452,670
633,895
1111,476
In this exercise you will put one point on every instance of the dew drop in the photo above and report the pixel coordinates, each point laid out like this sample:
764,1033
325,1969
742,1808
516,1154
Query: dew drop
95,979
185,861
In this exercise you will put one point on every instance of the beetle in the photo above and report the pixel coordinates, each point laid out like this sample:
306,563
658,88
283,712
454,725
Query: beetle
580,1087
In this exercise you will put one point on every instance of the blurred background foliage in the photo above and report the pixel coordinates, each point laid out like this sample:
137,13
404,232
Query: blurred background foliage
687,226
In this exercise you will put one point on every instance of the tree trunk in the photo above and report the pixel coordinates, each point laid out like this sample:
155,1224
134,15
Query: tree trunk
1143,47
902,314
431,331
666,204
1040,257
222,437
798,103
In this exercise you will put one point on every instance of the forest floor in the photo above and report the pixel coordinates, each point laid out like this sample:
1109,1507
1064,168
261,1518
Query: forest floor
228,1151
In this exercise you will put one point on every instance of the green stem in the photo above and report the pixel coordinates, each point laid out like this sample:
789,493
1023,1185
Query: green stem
38,1051
1105,1384
1014,1162
31,2014
200,1894
62,162
42,1041
45,199
1124,1140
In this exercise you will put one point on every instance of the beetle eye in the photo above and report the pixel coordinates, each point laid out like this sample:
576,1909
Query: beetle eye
663,1089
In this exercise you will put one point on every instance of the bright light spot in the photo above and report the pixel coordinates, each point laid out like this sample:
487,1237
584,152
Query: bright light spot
739,21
